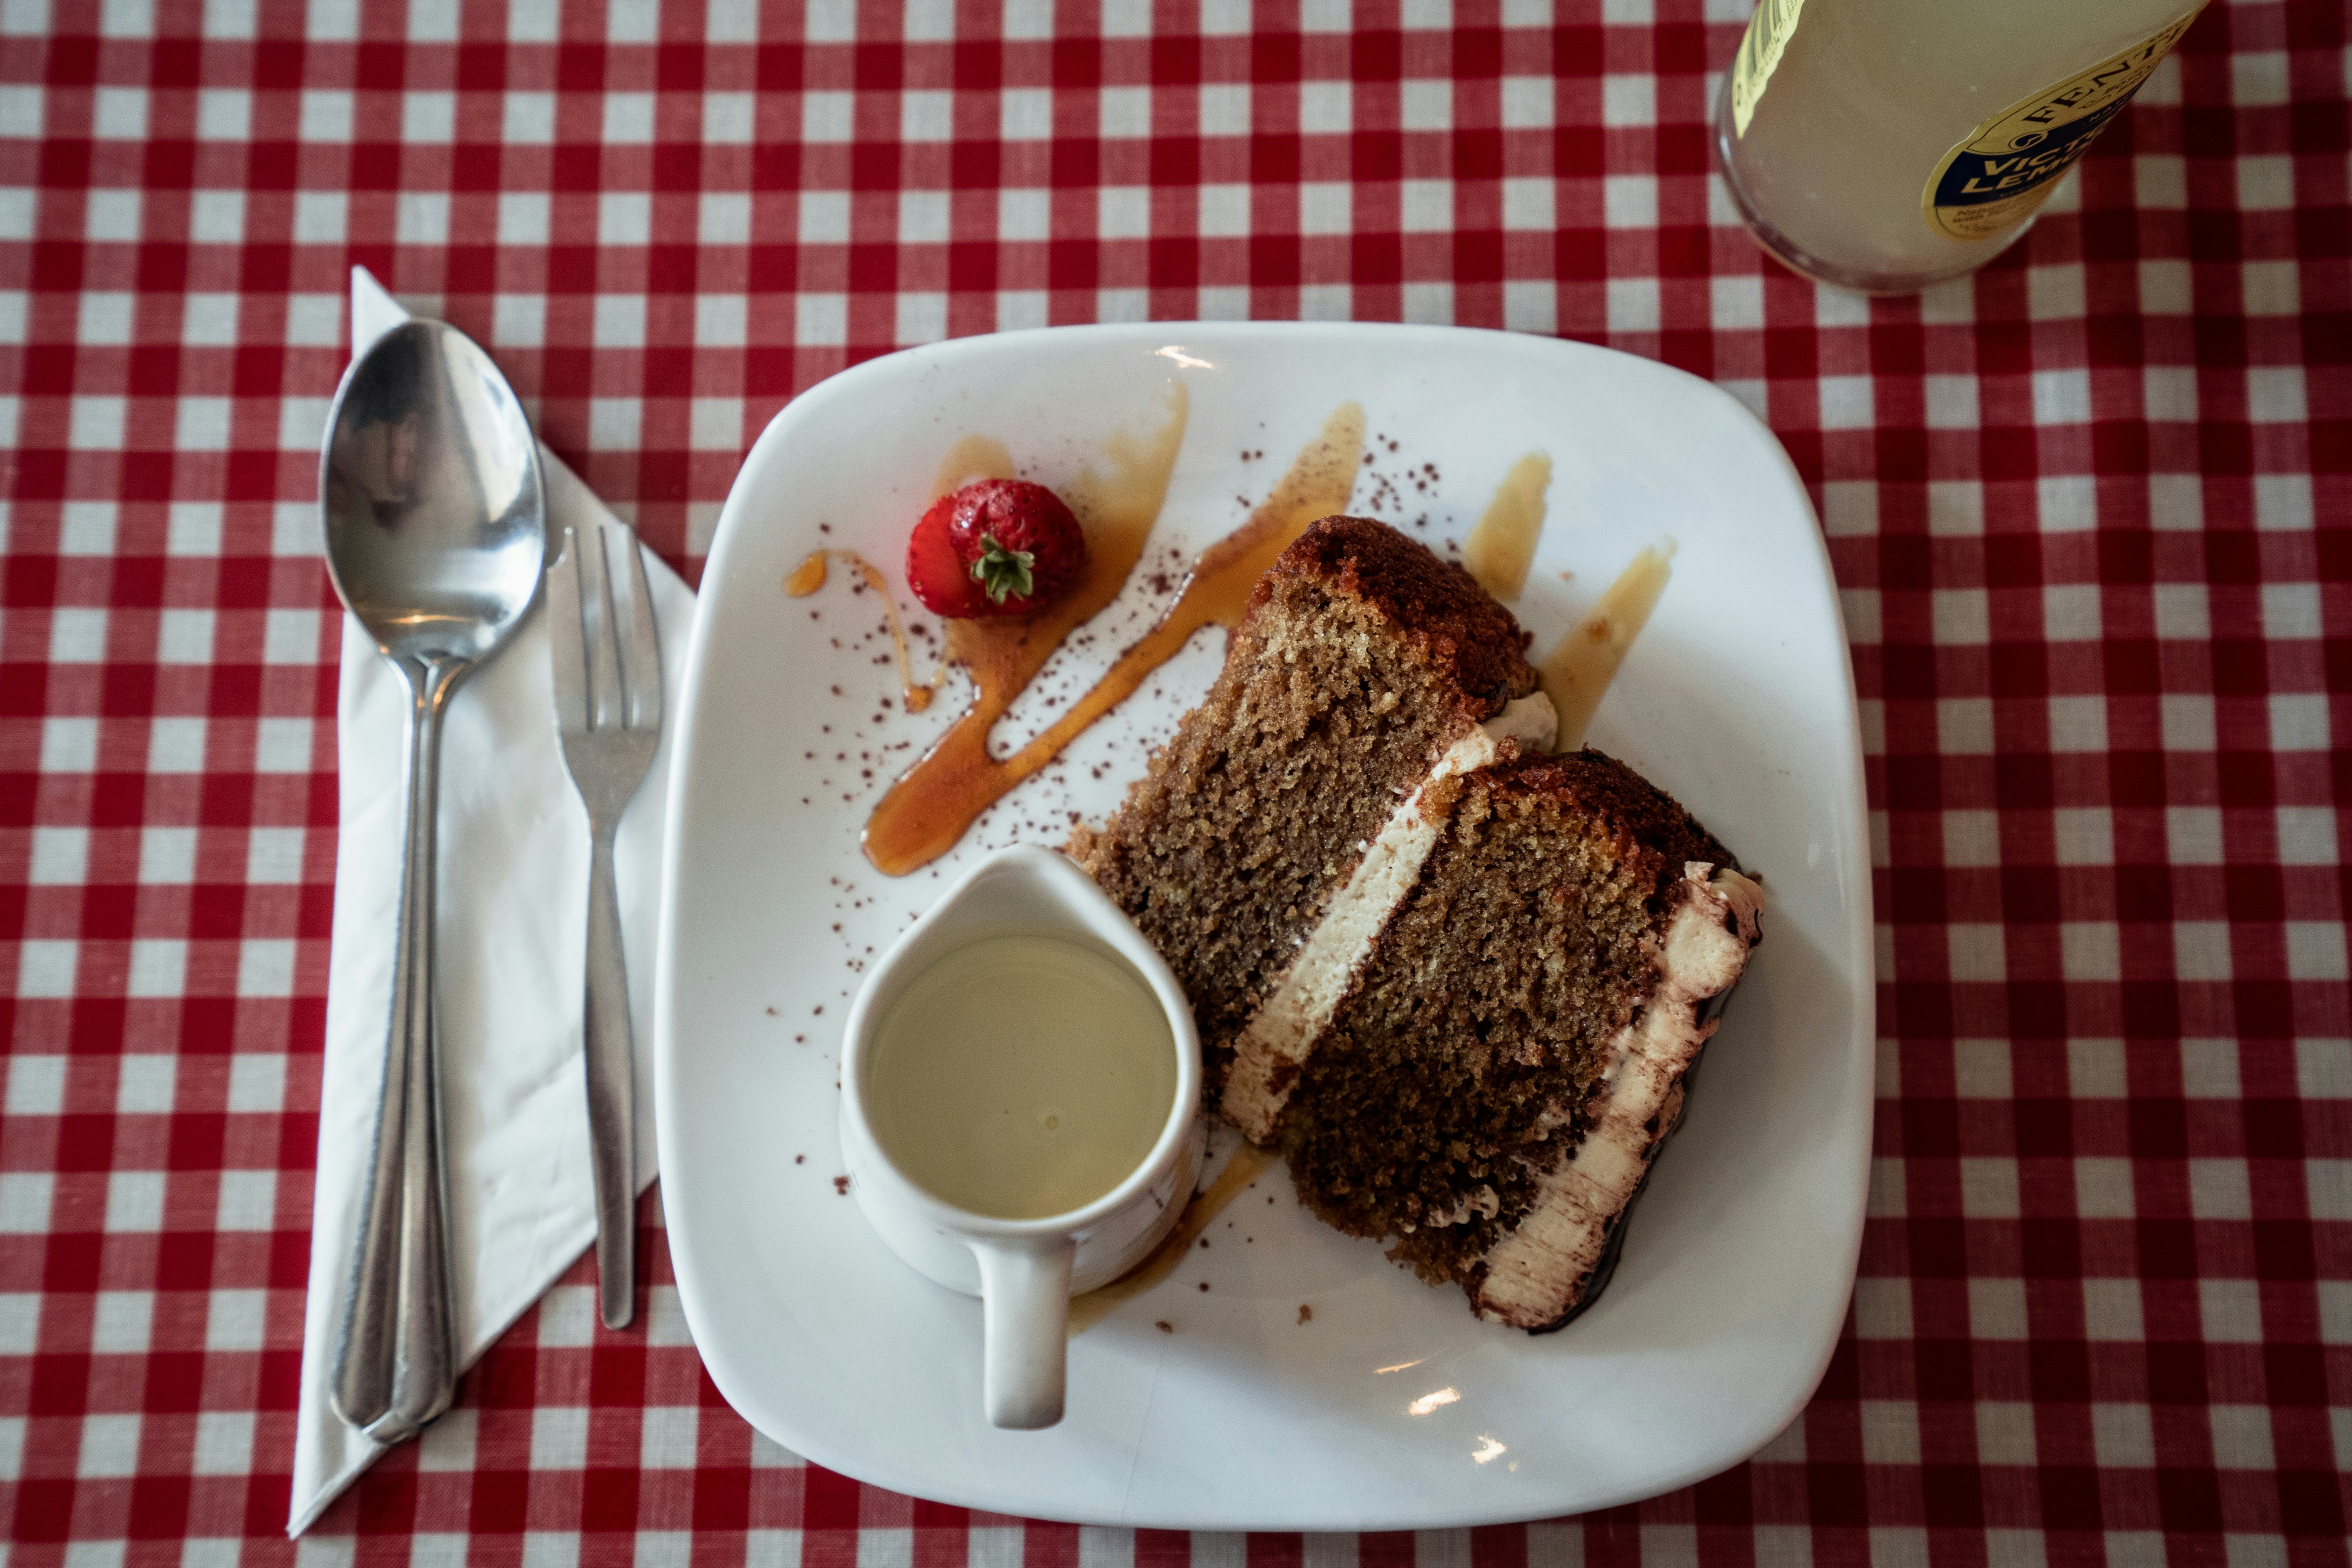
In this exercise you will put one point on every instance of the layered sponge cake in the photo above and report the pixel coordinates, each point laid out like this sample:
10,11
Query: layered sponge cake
1458,981
1364,664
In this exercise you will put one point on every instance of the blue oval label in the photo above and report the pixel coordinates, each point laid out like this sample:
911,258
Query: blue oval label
1996,178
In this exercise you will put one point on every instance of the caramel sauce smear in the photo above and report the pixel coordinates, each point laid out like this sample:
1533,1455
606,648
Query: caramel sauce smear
1249,1163
809,576
1502,543
1576,675
980,457
940,797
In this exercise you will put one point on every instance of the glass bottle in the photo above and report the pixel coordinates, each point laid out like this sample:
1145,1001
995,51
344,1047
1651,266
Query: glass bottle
1885,145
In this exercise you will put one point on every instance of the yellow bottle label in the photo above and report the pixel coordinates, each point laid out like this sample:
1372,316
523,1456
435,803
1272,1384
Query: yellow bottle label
1759,56
2008,165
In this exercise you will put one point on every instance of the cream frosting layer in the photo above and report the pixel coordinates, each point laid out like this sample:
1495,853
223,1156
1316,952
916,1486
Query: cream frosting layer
1278,1039
1539,1270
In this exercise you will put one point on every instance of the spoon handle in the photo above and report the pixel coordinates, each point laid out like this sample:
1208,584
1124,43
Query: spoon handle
397,1365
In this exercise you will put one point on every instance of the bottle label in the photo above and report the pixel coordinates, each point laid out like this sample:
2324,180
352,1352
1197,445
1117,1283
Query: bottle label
1995,179
1759,56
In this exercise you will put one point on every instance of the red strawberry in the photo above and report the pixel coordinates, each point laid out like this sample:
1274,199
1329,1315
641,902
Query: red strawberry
940,578
1019,543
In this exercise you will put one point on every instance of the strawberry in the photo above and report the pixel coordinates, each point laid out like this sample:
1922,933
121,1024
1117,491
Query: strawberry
1018,542
940,578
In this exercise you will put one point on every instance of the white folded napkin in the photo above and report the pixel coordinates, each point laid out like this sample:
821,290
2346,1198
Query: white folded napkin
511,956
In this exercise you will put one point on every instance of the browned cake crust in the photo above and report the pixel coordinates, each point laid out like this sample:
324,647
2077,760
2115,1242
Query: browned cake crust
1361,658
1643,821
1464,1062
1435,602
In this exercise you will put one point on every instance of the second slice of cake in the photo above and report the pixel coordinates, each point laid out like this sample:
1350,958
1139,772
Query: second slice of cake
1511,1054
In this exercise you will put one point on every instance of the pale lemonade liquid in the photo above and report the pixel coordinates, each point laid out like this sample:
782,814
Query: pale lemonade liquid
1023,1076
1886,144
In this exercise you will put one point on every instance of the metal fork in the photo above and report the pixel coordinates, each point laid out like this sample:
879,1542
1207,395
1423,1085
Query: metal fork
608,712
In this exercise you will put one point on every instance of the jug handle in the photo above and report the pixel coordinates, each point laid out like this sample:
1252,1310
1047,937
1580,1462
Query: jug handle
1025,1288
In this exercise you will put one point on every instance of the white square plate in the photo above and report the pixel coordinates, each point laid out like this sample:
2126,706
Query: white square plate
1393,1407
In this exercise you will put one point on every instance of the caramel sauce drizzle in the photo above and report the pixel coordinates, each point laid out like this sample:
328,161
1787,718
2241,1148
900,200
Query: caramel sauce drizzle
1576,675
1249,1163
1502,543
809,576
976,457
940,797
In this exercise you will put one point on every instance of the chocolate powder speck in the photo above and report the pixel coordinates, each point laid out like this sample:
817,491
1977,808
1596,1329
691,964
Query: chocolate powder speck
1305,1313
1164,1326
1204,1284
841,1186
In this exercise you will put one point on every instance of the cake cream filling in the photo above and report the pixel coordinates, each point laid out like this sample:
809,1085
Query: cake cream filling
1538,1271
1275,1043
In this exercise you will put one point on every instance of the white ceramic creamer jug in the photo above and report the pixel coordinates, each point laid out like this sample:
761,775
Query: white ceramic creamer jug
1019,1107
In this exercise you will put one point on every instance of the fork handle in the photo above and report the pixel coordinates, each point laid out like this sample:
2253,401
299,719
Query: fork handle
612,1091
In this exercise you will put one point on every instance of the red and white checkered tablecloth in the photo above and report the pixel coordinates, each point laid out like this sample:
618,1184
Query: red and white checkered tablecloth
2089,511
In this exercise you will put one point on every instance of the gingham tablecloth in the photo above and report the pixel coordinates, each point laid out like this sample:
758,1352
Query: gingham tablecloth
2089,510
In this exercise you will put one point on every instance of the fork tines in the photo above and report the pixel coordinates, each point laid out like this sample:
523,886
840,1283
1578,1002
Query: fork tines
605,682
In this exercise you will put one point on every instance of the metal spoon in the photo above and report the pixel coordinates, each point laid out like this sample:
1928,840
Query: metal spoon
434,514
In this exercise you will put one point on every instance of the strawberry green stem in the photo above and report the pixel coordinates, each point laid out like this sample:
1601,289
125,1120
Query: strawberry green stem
1003,573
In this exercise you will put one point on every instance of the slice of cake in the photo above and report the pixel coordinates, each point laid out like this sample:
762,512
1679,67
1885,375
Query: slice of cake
1365,667
1494,1084
1458,982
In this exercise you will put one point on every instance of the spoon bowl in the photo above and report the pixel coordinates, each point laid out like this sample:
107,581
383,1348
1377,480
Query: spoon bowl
435,532
430,484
